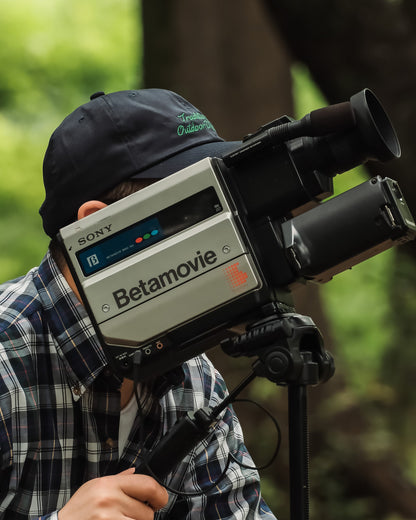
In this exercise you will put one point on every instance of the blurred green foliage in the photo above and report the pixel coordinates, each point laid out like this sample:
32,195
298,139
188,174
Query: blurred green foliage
54,55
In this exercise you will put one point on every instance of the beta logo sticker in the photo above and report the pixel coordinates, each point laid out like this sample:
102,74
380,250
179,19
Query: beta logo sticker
235,277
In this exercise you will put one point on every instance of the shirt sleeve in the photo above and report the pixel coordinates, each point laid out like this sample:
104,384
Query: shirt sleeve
223,488
50,516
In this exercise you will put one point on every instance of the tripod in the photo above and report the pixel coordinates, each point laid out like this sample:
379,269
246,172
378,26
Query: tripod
290,352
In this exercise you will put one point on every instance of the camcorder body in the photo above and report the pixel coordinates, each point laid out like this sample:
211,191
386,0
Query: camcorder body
167,272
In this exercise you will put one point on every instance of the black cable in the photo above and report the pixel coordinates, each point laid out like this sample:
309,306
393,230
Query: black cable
149,469
208,422
279,437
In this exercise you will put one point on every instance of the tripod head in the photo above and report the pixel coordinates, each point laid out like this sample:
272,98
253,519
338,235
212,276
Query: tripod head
289,347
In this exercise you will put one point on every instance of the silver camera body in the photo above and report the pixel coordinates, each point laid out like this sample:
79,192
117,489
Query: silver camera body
162,264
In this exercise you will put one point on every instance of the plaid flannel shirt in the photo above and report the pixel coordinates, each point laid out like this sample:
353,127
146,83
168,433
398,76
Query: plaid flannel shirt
60,409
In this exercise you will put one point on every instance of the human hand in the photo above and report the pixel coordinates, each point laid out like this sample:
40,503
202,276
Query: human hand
125,496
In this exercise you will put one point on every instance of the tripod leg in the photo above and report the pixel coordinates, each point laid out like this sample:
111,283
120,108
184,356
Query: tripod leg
298,452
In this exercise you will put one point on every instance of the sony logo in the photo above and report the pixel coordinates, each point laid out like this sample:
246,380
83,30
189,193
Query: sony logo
90,237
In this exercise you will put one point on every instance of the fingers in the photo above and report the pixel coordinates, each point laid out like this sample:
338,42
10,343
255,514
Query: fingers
145,489
121,496
129,471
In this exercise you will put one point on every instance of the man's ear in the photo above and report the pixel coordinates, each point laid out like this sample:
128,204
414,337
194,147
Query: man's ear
89,207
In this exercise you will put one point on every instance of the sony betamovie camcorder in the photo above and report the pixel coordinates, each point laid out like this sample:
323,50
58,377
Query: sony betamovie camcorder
170,269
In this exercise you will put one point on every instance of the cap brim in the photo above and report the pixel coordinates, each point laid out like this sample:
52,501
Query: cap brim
186,158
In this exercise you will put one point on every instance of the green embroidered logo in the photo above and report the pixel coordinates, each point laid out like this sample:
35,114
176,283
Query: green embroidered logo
193,122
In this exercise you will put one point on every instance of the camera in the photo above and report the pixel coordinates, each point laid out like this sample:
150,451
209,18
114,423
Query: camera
169,270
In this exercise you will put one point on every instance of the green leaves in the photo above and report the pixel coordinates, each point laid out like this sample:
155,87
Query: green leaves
54,55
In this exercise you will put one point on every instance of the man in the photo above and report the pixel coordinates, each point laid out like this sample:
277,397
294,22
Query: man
70,432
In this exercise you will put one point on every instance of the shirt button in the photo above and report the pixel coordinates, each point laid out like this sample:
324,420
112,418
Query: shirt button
76,389
108,444
108,372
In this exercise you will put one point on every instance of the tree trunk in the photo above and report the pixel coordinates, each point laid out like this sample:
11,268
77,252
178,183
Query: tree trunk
222,56
225,58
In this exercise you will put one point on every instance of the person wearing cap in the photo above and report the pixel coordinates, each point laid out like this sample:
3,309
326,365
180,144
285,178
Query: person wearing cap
70,434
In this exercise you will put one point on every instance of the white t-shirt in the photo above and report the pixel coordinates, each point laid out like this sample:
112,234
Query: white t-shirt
127,416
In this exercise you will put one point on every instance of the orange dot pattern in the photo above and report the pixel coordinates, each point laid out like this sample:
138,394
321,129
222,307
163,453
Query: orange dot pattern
235,276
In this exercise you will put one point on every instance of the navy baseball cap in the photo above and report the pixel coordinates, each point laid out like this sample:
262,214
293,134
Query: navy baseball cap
149,134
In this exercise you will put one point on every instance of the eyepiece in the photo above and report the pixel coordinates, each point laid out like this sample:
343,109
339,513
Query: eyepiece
375,127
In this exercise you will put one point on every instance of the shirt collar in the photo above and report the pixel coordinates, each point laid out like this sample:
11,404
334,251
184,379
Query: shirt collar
76,341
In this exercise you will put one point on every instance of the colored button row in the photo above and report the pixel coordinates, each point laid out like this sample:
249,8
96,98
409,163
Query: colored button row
147,236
